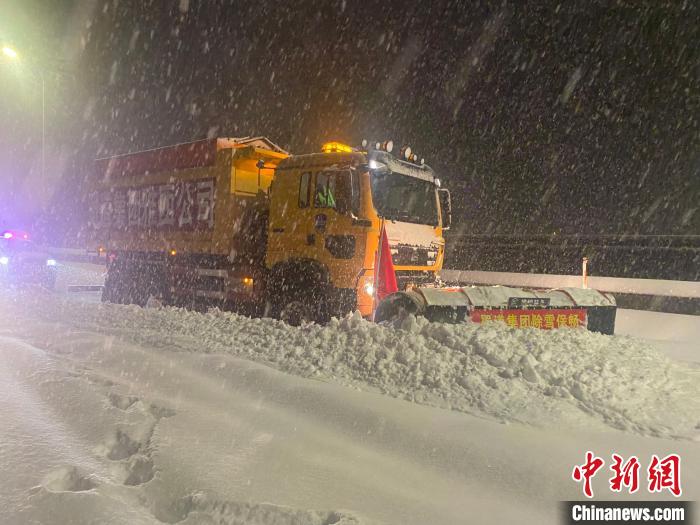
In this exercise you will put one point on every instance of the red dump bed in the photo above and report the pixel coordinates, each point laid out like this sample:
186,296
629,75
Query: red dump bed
196,154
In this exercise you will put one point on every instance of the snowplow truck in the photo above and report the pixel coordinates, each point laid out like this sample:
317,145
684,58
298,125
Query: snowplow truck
241,224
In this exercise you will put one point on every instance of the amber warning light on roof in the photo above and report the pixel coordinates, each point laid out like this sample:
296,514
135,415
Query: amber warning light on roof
336,147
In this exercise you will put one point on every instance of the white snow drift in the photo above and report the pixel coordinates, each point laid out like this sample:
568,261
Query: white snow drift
532,376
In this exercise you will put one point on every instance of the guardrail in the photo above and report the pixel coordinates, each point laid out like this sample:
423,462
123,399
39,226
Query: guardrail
604,284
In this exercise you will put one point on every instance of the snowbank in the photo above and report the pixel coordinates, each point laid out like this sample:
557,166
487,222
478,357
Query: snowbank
676,335
538,377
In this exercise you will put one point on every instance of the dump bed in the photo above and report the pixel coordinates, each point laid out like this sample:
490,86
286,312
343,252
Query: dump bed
204,197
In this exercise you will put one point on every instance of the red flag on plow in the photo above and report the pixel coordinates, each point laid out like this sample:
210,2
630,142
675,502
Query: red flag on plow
384,274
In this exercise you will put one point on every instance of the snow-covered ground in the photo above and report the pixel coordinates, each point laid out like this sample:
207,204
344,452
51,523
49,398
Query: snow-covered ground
116,414
678,336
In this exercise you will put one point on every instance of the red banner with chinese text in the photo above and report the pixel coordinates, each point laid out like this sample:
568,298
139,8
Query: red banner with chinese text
545,319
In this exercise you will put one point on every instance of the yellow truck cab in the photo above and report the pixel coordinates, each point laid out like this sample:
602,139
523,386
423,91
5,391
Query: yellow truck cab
326,214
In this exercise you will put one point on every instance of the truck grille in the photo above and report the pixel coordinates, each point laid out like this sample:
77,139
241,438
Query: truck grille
406,255
413,277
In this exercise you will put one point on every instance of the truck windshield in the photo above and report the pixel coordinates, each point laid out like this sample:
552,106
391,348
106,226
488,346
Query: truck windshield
402,198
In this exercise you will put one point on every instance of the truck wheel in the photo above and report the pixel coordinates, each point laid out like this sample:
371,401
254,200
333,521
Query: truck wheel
296,312
297,292
143,287
139,294
116,284
154,296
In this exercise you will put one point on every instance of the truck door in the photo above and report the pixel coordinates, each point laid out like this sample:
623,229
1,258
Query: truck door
338,235
314,215
291,218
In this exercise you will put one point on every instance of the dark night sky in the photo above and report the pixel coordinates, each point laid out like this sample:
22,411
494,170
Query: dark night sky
579,117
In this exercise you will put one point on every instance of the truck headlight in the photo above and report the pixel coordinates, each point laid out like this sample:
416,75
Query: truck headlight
4,261
375,165
50,262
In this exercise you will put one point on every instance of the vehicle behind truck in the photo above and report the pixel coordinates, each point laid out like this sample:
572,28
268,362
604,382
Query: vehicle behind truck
241,224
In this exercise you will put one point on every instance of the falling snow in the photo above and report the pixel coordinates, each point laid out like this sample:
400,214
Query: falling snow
562,131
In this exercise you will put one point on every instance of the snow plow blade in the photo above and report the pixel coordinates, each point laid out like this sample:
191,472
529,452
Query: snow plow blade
517,307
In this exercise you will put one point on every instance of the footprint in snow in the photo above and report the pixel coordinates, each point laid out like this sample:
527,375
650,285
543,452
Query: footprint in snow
159,412
138,470
68,479
119,445
125,402
122,402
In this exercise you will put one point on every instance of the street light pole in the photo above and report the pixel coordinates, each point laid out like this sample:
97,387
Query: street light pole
12,54
43,127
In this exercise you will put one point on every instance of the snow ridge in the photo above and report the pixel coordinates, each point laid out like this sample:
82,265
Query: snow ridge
538,377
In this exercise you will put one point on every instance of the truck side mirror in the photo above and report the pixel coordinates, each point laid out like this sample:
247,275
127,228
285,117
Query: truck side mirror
445,207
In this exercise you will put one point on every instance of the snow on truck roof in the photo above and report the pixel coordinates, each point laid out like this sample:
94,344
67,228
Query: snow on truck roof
312,160
357,158
197,154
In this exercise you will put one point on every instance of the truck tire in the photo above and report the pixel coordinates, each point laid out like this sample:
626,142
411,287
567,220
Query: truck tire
133,282
295,307
297,312
297,292
146,281
119,284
